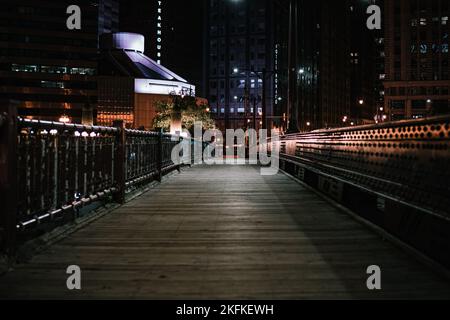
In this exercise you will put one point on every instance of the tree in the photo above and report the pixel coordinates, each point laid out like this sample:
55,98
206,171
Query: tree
186,108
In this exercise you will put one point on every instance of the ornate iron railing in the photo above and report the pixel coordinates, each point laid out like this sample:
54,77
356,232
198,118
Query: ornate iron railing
50,170
62,167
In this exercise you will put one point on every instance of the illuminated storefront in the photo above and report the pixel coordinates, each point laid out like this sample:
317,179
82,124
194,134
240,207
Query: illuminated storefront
131,84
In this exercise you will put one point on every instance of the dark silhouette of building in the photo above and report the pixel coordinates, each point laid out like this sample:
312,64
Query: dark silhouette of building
333,76
238,47
315,83
417,70
49,69
321,63
108,16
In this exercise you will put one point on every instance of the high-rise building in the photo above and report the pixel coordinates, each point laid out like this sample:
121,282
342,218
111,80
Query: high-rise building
108,16
239,47
49,69
365,66
417,70
380,73
314,84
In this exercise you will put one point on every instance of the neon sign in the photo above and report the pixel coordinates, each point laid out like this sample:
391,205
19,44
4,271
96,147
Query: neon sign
159,32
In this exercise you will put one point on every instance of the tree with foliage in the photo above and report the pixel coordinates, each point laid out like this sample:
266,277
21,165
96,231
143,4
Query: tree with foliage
185,107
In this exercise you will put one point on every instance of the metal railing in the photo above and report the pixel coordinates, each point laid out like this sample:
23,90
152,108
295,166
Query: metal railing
395,175
407,160
50,170
62,167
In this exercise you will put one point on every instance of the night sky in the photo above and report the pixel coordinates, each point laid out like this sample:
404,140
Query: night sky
182,33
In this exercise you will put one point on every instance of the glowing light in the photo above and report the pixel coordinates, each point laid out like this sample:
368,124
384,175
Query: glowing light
128,41
64,119
164,87
361,102
308,124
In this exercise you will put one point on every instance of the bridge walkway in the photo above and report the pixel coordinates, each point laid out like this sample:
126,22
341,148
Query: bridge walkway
224,232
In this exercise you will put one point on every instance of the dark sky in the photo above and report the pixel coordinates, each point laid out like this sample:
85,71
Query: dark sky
182,33
185,39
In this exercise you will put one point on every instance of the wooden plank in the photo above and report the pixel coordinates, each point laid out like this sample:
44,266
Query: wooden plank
224,232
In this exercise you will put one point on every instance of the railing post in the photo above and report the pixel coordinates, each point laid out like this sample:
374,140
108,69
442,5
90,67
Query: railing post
181,142
8,177
119,162
160,155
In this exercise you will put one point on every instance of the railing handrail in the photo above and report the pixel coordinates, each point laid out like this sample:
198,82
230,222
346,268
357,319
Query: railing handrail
379,126
44,124
64,126
411,155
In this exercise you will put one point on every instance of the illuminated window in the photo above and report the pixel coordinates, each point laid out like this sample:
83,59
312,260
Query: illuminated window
24,68
82,71
53,69
52,84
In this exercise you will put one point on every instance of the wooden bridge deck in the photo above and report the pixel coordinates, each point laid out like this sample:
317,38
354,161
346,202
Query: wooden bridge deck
224,232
